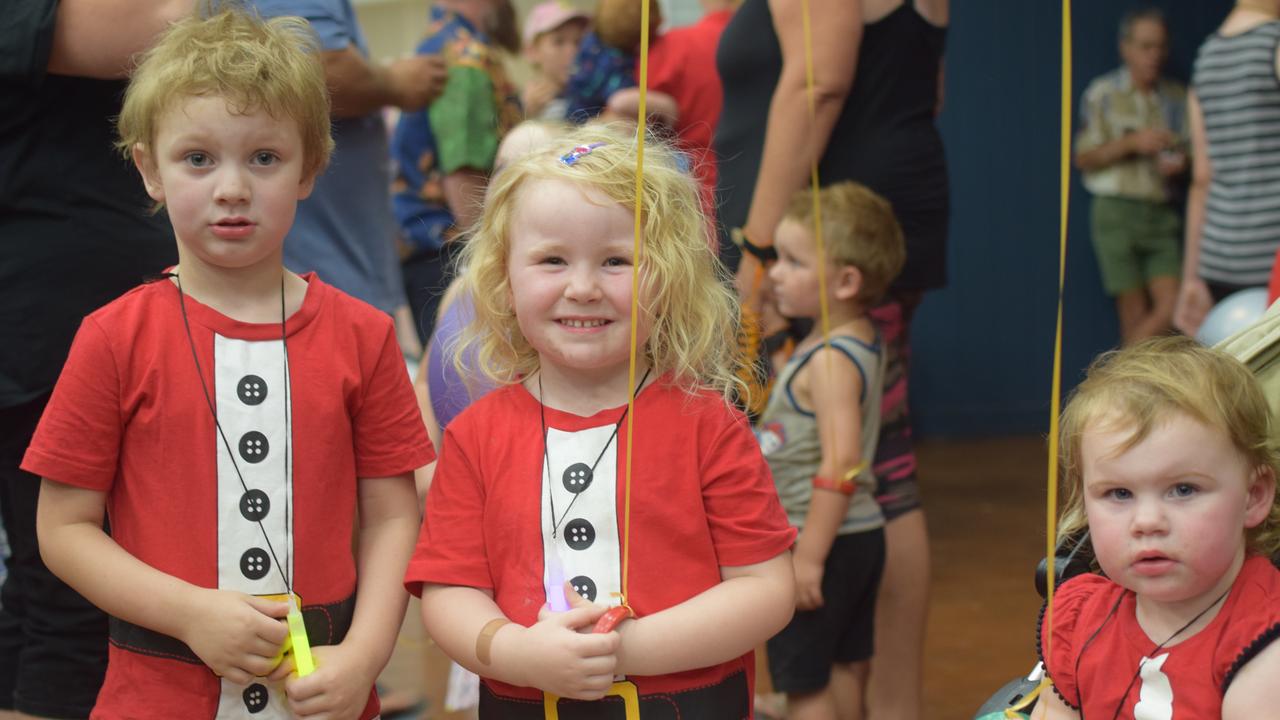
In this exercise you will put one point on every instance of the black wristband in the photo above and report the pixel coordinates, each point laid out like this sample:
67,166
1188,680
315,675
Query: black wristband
761,253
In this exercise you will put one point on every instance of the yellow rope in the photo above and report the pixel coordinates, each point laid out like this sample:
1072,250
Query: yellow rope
1064,178
643,81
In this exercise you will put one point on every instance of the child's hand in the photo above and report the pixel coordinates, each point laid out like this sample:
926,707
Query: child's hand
808,582
562,656
337,690
237,635
537,93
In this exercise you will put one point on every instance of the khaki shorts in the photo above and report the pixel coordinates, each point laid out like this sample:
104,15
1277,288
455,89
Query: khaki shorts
1136,241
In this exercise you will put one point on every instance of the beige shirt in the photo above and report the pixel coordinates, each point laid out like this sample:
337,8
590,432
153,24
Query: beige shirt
1113,108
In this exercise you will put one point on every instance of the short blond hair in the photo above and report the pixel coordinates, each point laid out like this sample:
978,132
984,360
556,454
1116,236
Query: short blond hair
683,286
1140,387
253,63
858,229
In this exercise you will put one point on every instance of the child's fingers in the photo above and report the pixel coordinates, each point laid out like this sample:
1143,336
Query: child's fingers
270,608
575,600
579,617
283,670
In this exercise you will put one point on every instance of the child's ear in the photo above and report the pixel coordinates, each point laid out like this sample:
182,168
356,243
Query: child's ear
1262,496
146,164
306,186
848,282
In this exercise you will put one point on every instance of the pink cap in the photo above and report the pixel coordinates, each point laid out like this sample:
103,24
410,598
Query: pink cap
547,16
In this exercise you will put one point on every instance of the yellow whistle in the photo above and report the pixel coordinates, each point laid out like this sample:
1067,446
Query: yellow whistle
303,663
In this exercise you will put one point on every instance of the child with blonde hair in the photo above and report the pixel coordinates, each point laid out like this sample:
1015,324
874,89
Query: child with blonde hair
531,534
1169,462
819,433
233,417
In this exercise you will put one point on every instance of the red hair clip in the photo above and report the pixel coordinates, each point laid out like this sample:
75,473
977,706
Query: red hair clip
572,156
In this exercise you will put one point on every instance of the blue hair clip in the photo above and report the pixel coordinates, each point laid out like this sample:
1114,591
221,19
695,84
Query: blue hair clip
572,156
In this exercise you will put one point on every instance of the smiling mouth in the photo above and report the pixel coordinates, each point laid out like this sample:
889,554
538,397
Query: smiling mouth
583,323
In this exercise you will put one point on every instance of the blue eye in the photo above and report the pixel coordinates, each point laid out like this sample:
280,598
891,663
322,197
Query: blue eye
197,159
1184,490
264,157
617,262
1119,494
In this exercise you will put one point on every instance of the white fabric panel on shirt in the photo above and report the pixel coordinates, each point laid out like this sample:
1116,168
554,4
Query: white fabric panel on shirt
249,395
587,541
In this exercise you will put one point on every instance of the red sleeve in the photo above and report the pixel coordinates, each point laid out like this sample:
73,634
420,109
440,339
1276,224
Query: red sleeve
1273,288
450,549
78,439
1069,604
747,522
389,436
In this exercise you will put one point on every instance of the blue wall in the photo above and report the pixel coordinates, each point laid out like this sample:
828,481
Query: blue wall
983,347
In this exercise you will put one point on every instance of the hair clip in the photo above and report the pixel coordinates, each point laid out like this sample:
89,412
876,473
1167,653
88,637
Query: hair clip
573,155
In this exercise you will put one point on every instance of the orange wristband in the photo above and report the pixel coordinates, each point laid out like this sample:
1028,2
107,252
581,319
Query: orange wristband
484,641
844,487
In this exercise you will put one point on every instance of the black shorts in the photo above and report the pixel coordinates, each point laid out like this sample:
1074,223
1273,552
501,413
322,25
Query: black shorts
842,630
53,642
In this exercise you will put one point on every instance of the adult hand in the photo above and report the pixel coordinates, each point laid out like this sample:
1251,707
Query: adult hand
238,636
417,80
1149,141
1194,303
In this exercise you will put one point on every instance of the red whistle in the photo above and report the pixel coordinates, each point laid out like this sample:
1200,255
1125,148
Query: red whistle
611,618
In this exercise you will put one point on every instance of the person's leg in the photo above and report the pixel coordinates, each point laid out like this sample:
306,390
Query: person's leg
1159,320
895,684
848,689
1131,307
53,642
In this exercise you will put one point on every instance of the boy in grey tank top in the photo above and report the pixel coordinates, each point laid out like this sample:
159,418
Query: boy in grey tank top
819,434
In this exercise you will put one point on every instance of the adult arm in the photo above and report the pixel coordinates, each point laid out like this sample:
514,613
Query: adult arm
748,606
835,391
1147,141
791,141
464,193
99,38
1194,299
236,635
358,87
345,672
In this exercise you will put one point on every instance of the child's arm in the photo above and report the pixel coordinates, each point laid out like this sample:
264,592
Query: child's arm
1049,707
552,655
724,622
345,672
236,635
1254,693
835,392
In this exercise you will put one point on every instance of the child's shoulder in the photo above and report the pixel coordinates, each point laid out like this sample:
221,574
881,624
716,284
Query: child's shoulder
335,305
136,305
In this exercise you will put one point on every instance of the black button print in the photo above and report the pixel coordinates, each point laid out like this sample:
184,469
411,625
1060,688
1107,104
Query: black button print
579,534
255,564
254,505
255,698
252,390
584,586
254,447
577,477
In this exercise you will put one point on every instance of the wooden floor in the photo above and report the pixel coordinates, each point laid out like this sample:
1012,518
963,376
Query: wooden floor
985,506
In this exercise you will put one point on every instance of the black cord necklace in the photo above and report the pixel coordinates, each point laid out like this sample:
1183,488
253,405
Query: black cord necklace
284,344
1138,673
577,475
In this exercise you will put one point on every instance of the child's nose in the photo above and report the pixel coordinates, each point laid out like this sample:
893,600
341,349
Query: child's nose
583,285
232,186
1149,517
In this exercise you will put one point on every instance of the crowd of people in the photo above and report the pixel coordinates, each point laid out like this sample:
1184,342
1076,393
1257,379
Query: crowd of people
625,474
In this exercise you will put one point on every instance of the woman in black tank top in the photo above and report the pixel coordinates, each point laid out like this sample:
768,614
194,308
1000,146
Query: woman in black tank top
877,70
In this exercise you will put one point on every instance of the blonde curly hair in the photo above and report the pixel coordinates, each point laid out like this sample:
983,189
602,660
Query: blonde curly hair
1140,387
684,289
252,63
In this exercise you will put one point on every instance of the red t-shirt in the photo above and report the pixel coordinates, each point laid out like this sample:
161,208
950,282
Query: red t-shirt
682,63
701,499
1184,682
129,417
